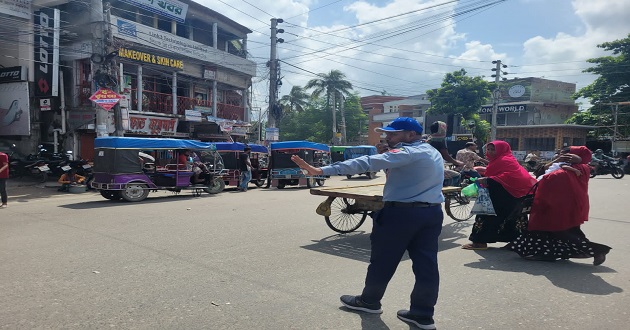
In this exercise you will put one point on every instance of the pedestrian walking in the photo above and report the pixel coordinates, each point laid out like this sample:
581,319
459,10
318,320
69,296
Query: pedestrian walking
411,219
4,175
245,166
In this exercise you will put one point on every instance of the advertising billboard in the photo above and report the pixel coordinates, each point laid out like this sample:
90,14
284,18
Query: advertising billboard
14,109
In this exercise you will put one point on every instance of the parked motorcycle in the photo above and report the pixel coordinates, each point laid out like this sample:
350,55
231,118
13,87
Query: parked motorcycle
608,167
37,169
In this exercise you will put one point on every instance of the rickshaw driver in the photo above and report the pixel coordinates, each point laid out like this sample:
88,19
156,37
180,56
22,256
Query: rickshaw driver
411,219
185,158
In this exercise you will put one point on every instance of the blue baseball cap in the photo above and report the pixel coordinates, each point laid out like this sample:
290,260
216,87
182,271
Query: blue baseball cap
401,124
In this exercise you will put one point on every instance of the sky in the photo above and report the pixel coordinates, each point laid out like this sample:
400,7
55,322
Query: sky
405,47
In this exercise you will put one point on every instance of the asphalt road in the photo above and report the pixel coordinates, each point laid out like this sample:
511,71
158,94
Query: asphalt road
264,260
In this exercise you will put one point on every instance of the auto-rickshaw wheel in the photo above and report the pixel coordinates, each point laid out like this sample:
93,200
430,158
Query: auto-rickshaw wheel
135,192
370,175
281,184
320,182
310,182
342,221
348,176
216,186
259,183
112,195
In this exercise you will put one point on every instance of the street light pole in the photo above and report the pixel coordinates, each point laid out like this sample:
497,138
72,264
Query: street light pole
495,98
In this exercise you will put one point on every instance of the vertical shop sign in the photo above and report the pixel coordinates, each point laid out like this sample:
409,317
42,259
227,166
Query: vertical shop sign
46,52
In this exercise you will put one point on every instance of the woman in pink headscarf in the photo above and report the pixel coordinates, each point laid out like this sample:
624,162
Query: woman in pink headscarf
506,181
560,206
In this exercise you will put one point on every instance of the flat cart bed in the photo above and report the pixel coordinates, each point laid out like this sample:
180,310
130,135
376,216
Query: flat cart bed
346,208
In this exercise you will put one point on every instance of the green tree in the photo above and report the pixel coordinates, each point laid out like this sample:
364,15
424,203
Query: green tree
296,100
312,123
460,94
613,83
611,86
333,84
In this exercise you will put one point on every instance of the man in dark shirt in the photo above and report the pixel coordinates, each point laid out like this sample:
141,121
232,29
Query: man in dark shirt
4,175
245,166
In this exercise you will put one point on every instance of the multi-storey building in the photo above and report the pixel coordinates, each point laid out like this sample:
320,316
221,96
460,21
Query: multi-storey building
180,68
531,115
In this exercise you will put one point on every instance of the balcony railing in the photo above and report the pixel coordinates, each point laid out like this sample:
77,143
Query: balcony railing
163,103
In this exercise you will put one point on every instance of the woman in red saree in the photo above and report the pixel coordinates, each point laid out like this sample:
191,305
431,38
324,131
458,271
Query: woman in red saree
560,206
506,181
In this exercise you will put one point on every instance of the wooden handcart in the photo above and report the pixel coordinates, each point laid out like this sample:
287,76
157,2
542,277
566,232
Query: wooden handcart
346,208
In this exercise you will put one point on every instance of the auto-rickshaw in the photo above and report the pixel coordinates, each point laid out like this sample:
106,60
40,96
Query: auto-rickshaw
358,151
259,157
284,172
336,153
129,168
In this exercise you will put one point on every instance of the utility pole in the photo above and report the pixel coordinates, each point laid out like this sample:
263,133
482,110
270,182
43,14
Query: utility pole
98,47
111,68
273,72
495,97
344,139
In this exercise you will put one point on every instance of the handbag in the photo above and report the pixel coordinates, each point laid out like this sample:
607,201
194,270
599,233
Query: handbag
483,203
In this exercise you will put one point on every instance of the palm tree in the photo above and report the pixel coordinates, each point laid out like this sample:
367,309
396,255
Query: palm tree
334,85
296,100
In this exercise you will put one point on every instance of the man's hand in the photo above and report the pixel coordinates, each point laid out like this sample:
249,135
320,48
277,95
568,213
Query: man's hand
382,148
301,163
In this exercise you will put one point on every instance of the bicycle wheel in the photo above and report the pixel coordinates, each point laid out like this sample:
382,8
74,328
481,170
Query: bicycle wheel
341,219
458,206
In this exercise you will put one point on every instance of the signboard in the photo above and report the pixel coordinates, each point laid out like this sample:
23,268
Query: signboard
504,108
17,8
150,58
239,130
209,73
46,52
13,74
148,36
168,8
515,90
193,115
105,98
14,109
272,134
44,104
152,125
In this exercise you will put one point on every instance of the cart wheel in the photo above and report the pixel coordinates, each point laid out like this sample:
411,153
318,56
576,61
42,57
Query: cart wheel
320,182
348,176
135,192
310,182
340,220
112,195
458,206
216,186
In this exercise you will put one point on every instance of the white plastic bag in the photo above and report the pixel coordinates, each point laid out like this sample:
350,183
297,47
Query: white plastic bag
483,204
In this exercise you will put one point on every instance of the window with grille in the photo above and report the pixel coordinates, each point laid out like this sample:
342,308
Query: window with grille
513,142
545,144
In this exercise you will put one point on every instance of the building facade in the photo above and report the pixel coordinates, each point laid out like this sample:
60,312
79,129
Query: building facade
531,116
180,69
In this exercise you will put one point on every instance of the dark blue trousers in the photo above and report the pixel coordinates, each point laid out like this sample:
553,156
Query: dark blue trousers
395,231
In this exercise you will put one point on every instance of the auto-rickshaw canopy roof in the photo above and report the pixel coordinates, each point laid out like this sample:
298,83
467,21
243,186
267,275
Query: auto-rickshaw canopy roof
299,145
238,146
117,142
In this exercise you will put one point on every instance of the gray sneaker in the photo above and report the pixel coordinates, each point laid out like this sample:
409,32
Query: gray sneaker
355,302
421,322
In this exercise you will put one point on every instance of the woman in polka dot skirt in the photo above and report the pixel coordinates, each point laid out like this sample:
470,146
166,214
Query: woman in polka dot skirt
560,206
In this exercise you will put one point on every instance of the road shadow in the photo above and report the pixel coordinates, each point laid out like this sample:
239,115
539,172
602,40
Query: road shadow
356,245
368,321
565,274
120,203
